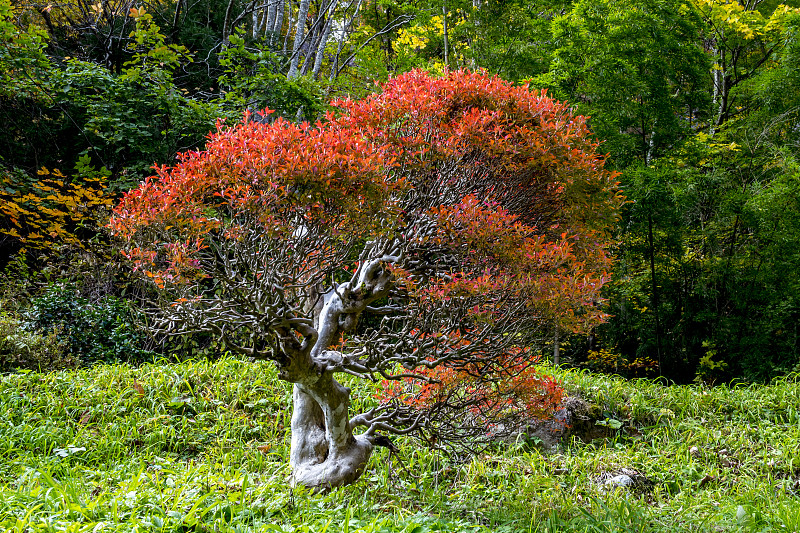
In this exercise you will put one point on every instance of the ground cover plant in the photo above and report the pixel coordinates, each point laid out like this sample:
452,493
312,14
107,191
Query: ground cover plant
203,446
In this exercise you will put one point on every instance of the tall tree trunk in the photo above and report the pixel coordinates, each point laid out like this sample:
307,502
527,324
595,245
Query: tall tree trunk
226,25
272,16
446,43
721,90
342,35
655,289
280,19
259,21
311,44
288,29
651,144
302,16
175,19
324,40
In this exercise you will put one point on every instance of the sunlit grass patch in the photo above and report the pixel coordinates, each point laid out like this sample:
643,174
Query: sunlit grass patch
203,446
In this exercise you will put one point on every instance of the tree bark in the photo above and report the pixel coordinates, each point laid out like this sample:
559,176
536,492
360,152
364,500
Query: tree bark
275,7
324,452
721,89
288,29
324,40
446,43
226,26
311,44
259,19
175,18
299,35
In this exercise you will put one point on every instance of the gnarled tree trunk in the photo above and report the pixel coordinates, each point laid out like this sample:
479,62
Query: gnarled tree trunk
325,453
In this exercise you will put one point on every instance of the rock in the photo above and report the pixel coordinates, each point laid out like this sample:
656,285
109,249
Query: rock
575,418
741,513
619,481
627,478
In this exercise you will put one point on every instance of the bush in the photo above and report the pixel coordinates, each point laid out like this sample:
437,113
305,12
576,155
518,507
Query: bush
21,348
102,332
610,362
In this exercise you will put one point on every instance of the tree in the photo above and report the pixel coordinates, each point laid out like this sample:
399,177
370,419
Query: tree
744,36
637,67
705,276
428,235
510,38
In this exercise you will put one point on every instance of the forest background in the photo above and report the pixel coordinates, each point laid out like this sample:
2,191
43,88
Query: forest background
697,103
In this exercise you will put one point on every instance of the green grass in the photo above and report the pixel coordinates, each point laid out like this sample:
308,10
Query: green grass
203,446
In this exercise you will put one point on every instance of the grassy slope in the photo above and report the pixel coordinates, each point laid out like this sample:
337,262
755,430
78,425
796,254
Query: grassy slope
203,446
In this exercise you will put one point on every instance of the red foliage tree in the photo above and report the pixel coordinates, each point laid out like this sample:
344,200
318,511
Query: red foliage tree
427,236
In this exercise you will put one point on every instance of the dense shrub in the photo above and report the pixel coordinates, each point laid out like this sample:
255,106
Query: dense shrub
100,332
32,350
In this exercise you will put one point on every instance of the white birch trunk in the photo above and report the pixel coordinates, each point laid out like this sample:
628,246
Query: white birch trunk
275,24
342,36
259,20
299,35
226,25
264,19
324,40
721,89
288,30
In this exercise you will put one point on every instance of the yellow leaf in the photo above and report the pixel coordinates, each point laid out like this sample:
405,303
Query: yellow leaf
51,212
